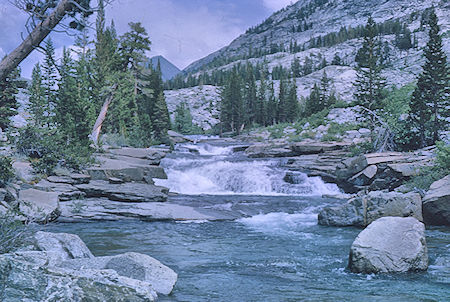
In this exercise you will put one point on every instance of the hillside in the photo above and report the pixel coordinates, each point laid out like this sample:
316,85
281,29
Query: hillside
316,32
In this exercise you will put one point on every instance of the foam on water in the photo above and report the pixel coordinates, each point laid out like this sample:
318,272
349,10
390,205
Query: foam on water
215,170
279,223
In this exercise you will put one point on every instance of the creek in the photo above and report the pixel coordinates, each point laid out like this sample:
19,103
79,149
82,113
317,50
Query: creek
269,248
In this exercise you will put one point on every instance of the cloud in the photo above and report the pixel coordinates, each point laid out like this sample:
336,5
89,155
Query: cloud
275,5
178,31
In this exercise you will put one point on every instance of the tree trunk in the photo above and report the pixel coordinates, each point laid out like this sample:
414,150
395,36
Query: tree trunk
101,117
39,33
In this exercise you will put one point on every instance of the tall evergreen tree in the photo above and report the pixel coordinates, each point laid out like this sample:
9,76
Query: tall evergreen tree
49,77
369,82
250,98
272,105
282,114
37,100
430,100
8,103
292,103
232,105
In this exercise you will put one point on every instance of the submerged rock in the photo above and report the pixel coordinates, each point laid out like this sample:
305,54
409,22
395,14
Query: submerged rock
436,203
363,210
390,245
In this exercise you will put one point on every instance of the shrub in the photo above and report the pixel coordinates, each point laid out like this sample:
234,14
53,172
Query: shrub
439,170
48,150
6,170
13,233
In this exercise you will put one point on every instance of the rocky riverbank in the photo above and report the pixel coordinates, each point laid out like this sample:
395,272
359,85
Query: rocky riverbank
119,186
60,267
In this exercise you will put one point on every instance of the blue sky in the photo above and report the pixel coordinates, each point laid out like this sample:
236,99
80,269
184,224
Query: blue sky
181,30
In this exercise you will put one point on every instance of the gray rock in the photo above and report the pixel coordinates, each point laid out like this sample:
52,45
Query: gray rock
32,278
363,210
144,268
350,166
103,209
127,192
24,170
39,206
390,245
436,203
142,153
312,147
67,246
132,265
65,190
126,168
268,150
364,177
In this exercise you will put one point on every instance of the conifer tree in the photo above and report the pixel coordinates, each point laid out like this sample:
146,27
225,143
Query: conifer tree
261,104
296,68
272,109
232,106
250,98
49,76
36,103
8,103
292,103
369,82
430,100
282,113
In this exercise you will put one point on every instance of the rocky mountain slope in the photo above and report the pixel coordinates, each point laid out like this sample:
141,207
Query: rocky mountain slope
168,69
293,32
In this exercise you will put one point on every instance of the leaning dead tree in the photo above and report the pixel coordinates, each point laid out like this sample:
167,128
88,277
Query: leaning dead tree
102,116
44,17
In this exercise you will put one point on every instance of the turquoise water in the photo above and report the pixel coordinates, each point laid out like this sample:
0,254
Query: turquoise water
272,250
273,256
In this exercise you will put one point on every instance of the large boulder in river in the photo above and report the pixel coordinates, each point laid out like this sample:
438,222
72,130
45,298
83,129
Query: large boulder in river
363,210
39,206
436,203
33,277
67,246
390,245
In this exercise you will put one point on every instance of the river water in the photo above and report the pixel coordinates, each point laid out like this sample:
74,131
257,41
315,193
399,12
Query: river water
271,250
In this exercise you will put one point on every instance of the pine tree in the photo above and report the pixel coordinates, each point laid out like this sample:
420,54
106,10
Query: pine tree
37,100
232,106
369,83
272,106
8,103
282,112
261,104
292,103
161,121
49,76
324,95
250,98
133,45
296,68
430,100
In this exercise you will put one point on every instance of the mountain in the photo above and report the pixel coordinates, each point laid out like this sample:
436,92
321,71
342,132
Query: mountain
168,69
315,32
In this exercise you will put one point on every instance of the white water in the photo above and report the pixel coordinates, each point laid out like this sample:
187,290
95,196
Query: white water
206,169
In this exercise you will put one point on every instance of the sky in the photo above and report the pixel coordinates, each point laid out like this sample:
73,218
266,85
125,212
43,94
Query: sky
182,31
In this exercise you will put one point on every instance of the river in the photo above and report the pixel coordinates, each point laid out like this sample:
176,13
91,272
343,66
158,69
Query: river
270,248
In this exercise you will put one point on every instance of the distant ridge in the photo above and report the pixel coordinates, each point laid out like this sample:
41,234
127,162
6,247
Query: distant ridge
168,69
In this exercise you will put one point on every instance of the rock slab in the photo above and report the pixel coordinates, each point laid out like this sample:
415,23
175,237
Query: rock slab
390,245
363,210
436,203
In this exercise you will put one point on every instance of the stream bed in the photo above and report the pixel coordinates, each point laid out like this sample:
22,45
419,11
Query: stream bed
271,249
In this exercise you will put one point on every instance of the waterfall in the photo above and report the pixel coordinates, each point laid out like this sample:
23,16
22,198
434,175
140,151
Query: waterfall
195,169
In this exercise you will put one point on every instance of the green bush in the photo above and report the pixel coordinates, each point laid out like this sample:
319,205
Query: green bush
6,170
439,170
47,150
13,233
